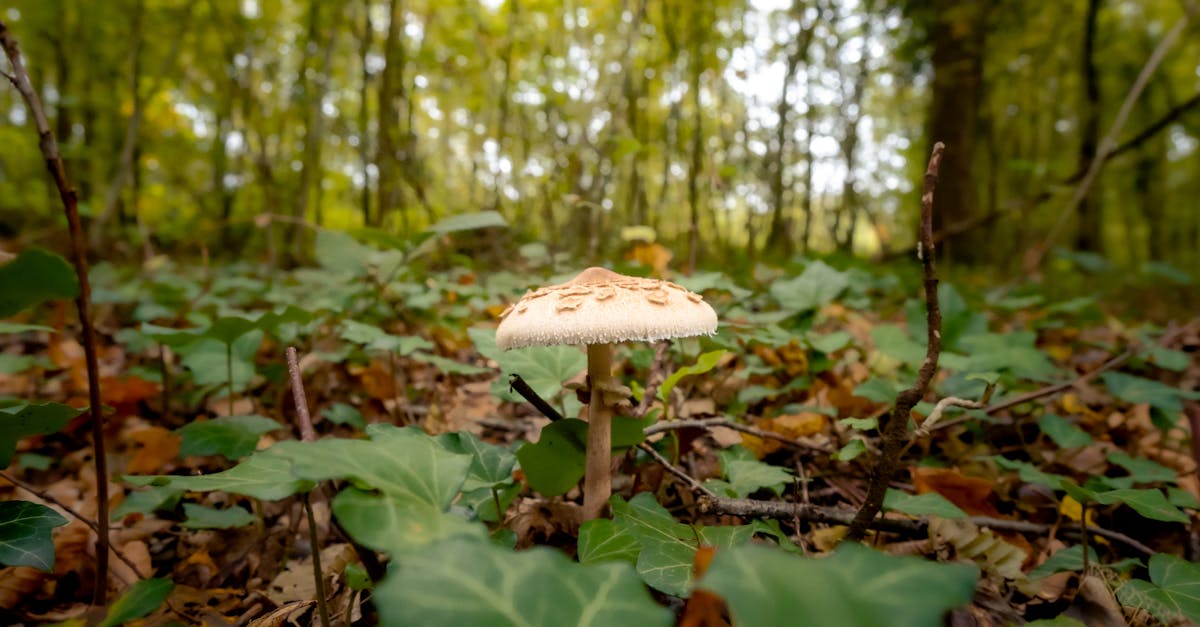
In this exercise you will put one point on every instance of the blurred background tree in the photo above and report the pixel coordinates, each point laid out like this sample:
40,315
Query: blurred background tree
736,130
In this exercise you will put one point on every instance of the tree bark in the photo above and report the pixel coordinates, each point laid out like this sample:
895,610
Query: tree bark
958,32
1089,237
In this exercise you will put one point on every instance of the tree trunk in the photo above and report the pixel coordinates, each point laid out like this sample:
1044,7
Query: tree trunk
958,33
1089,237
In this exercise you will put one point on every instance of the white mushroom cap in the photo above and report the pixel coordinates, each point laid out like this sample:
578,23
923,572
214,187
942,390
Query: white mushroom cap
602,307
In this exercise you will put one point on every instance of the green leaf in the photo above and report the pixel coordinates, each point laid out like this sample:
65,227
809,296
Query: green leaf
463,582
829,342
206,359
28,419
139,600
27,534
544,368
400,463
1182,498
818,285
1160,396
1064,432
1070,558
470,221
449,366
344,414
958,320
1014,352
202,517
929,504
148,500
232,436
1174,593
878,390
339,252
357,578
266,475
601,541
860,424
667,547
398,525
853,449
1142,470
372,337
1030,473
555,463
1148,502
703,364
747,476
229,328
1169,359
890,339
34,276
17,327
854,587
491,465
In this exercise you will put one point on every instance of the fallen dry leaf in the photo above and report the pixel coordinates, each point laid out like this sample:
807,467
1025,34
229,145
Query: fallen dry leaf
972,494
153,448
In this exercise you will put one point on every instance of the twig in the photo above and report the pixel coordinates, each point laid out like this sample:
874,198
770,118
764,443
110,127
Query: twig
692,482
307,434
73,514
83,302
1109,142
895,425
518,385
658,374
704,423
841,516
931,421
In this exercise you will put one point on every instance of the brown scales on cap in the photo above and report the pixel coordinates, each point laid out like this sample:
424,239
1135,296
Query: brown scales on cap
600,306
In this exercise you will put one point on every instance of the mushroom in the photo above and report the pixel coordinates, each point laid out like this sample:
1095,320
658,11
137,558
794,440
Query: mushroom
599,308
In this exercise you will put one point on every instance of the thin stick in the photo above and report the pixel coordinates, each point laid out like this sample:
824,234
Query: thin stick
307,434
692,482
83,302
894,427
73,514
518,385
704,423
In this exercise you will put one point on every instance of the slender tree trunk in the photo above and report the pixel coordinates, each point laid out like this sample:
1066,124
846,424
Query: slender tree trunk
958,37
1089,237
390,196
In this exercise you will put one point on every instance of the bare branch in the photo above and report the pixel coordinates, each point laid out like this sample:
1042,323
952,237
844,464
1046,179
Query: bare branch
705,423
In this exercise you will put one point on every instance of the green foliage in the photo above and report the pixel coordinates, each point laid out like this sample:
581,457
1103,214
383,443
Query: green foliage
1150,503
26,419
145,501
704,363
464,582
745,475
544,368
928,504
555,463
207,360
344,414
35,276
231,436
1070,558
818,285
1166,402
665,549
1173,592
27,534
1063,432
265,475
856,586
469,221
139,600
202,517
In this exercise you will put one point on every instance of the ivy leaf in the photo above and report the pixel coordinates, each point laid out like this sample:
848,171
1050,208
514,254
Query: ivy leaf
1070,558
853,449
544,368
344,414
339,252
555,463
207,360
1149,502
854,587
469,222
398,525
1172,593
232,436
401,463
464,582
891,340
601,541
27,534
229,328
929,504
818,285
1164,399
667,547
449,366
747,476
148,500
265,475
491,465
28,419
203,517
1030,473
1064,432
1142,470
34,276
139,600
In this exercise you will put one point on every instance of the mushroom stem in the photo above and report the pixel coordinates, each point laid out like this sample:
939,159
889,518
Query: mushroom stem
597,478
